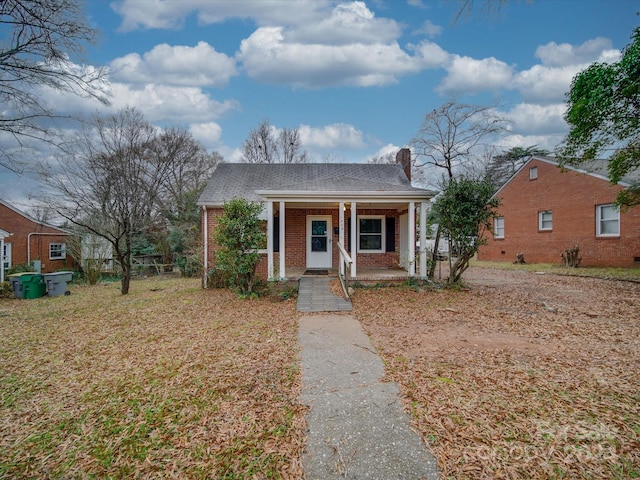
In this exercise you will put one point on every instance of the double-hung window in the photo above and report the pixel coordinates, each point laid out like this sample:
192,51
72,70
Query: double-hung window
371,233
545,220
607,221
498,227
57,251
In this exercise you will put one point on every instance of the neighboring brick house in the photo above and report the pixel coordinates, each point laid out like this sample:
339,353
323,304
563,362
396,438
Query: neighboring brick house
31,240
546,210
310,208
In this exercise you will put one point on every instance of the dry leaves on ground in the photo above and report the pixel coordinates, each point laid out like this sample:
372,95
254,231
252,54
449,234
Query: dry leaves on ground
170,381
520,376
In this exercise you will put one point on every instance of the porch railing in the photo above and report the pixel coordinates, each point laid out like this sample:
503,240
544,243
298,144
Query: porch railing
344,269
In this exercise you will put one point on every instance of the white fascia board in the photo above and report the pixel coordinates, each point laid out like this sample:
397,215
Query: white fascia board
320,196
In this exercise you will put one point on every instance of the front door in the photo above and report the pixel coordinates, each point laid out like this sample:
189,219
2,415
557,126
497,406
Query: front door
6,256
318,241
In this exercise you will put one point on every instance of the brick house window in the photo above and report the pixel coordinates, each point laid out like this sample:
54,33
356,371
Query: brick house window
533,173
498,227
371,233
57,251
545,220
607,221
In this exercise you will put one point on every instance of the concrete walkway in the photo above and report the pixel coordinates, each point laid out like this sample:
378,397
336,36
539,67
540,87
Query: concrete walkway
357,428
314,295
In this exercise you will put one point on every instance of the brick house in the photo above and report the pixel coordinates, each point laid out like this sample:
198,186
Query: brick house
546,210
31,240
370,210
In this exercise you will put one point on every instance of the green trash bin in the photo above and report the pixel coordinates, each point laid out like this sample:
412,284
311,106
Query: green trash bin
33,286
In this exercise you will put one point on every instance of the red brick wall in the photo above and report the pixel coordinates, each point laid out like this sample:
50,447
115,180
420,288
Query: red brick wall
295,239
20,227
572,197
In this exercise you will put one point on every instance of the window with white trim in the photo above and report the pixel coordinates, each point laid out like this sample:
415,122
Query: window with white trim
498,227
533,173
371,233
607,221
545,220
57,251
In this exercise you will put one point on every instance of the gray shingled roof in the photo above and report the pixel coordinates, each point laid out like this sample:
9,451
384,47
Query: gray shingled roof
242,180
598,167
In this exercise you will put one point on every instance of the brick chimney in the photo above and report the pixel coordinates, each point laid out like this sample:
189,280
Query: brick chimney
403,157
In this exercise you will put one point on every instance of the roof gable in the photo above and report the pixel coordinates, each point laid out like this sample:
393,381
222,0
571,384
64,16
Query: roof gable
595,168
30,218
243,180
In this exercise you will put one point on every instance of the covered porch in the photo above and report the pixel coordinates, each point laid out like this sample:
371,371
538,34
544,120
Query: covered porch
349,234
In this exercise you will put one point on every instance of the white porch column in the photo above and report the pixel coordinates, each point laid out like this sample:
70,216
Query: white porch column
2,258
354,239
205,260
423,240
281,241
270,240
341,233
412,239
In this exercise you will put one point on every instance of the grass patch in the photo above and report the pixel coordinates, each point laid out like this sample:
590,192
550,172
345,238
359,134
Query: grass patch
170,381
610,273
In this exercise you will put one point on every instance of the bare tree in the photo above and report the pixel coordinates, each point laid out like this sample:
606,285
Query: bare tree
448,139
289,143
450,134
266,145
191,167
111,186
178,239
383,159
41,38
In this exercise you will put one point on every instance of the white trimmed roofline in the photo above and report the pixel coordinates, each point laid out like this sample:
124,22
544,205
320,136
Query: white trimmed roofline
551,161
345,196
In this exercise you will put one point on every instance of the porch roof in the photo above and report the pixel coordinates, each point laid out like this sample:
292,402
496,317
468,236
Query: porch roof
311,182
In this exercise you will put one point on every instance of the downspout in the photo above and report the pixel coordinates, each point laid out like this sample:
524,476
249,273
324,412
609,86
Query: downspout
43,234
205,233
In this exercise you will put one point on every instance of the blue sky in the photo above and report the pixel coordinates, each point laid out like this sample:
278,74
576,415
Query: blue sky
356,78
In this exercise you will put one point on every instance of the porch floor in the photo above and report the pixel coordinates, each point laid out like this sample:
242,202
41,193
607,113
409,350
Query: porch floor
365,275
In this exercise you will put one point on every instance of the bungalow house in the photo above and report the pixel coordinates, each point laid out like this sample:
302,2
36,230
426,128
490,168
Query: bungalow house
30,240
546,210
317,213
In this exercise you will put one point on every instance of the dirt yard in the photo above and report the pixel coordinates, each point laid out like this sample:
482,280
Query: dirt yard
520,375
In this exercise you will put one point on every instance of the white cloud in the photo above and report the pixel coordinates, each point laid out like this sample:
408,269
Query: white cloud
209,133
467,75
429,29
178,104
430,55
549,81
532,119
171,14
176,65
337,135
544,84
559,55
347,23
267,57
546,142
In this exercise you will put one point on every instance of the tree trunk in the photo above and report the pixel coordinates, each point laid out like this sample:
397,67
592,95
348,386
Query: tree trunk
434,255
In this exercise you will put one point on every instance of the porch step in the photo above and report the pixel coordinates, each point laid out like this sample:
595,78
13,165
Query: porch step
314,295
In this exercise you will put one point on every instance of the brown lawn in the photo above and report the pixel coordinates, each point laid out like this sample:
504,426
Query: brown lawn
169,381
521,375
